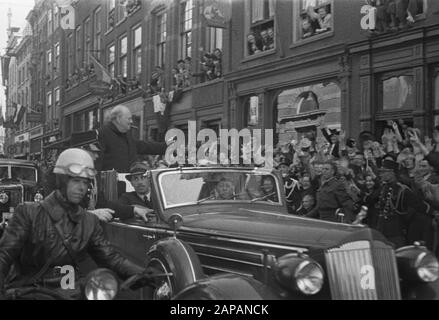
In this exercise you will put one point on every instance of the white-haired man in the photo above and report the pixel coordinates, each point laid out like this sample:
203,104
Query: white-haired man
118,148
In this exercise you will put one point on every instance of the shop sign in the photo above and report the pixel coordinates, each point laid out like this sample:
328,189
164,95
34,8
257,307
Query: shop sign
22,137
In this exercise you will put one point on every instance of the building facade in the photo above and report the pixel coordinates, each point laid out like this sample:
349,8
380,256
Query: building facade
286,65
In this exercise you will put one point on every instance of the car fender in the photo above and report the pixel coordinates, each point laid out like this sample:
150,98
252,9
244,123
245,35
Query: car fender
420,291
178,258
227,287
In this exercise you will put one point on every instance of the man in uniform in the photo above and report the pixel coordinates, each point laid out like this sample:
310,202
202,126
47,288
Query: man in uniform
402,214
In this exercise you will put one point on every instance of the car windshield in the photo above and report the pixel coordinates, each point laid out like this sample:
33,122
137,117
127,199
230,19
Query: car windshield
227,186
24,173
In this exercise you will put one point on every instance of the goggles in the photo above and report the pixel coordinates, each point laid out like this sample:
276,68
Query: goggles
77,170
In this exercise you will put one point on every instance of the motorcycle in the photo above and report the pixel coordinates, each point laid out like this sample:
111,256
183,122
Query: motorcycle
100,284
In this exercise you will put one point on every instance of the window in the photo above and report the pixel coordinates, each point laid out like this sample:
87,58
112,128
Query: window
49,63
121,12
299,110
111,20
70,60
137,51
315,18
97,32
87,46
110,60
161,39
186,28
123,58
214,38
78,47
261,34
57,66
57,97
397,91
49,106
56,17
49,23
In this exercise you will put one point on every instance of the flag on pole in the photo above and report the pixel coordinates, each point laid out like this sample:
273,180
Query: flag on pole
101,72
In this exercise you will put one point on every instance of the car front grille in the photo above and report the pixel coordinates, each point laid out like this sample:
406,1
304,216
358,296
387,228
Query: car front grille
363,270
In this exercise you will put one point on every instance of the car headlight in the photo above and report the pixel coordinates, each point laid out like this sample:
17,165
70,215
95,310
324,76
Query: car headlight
3,197
416,263
38,197
101,284
427,267
300,273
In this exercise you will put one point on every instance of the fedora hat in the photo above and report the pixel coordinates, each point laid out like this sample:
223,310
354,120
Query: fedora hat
137,168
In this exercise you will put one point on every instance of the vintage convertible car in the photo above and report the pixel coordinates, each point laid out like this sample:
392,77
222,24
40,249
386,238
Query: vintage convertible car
18,183
224,233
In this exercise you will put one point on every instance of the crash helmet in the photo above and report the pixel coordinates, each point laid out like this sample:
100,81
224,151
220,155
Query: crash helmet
75,163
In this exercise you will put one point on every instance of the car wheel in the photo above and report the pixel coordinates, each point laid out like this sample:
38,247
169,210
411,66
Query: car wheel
181,264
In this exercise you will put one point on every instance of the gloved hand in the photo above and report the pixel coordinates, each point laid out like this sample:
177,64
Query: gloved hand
143,212
103,214
144,279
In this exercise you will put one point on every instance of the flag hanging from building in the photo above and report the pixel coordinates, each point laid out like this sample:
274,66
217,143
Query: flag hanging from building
67,21
19,113
101,73
217,13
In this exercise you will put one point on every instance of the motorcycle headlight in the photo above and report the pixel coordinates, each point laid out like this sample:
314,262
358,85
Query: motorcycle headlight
101,284
416,263
301,274
38,197
3,197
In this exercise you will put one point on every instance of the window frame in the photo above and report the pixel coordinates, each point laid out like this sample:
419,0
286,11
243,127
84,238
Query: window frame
87,41
78,34
137,51
380,91
123,56
297,39
250,27
186,19
212,45
57,94
161,38
97,31
111,60
57,58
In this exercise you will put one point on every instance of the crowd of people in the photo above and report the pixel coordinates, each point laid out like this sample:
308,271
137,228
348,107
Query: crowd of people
259,41
393,177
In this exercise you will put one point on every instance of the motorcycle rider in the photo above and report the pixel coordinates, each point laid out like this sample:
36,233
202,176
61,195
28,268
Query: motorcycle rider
57,231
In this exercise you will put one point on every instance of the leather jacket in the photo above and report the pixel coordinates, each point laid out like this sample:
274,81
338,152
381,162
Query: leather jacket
31,239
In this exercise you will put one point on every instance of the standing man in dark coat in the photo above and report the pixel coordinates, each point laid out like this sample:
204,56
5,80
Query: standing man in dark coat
332,196
118,148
